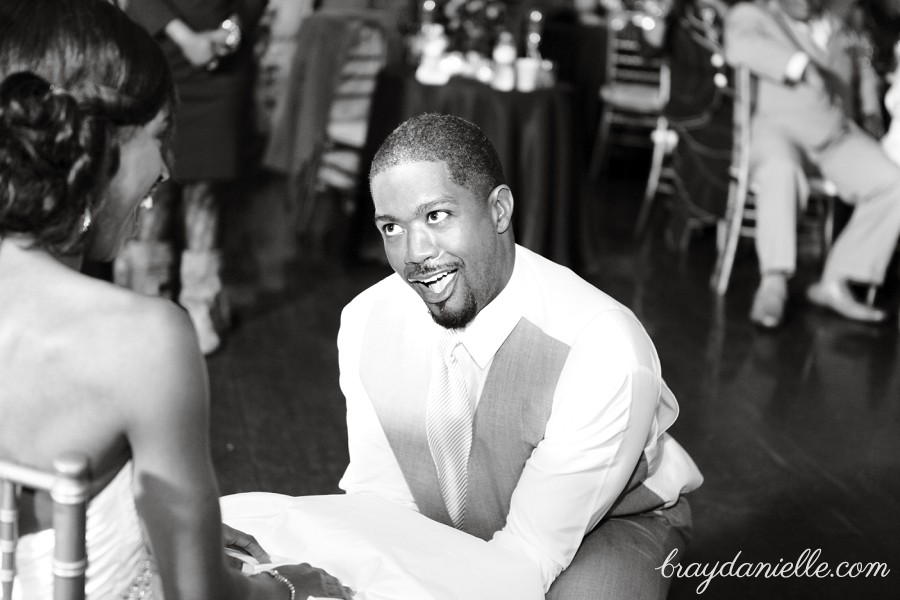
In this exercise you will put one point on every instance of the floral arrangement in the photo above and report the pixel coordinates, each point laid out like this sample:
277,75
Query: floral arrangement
471,25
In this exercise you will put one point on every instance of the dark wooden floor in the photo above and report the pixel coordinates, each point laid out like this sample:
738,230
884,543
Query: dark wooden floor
797,432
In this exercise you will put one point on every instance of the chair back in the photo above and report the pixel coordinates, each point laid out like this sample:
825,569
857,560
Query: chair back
68,488
635,89
697,146
629,60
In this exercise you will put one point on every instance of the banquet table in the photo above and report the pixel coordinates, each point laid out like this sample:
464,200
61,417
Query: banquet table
533,133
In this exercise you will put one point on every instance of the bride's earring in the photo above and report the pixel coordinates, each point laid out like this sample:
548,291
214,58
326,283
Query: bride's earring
86,220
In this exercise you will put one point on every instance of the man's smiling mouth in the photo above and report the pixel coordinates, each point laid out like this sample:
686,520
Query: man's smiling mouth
437,283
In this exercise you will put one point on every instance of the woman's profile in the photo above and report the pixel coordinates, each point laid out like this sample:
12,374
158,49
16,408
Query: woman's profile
85,99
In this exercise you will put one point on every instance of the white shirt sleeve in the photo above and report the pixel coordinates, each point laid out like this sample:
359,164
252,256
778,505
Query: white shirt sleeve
796,66
373,467
603,415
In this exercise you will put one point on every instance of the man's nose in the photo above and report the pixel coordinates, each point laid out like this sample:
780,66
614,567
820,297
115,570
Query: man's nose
420,246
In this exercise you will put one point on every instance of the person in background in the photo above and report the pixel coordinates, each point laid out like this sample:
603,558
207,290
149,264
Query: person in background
806,61
207,45
496,392
86,366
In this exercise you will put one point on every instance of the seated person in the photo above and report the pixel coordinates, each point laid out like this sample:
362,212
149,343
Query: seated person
85,105
805,63
496,392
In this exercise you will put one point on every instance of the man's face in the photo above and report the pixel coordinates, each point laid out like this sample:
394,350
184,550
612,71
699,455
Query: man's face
443,239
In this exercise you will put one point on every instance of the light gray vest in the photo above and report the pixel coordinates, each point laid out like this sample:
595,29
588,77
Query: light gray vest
509,422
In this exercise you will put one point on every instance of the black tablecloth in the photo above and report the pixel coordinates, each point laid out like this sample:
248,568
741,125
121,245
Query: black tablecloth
579,52
534,136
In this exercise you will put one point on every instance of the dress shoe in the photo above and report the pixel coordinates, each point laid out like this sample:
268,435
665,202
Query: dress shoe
768,303
836,295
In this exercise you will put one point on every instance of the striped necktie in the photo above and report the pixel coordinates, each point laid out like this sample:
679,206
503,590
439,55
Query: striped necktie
448,423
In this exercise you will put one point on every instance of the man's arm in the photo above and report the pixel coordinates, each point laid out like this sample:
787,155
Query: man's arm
373,467
752,39
603,415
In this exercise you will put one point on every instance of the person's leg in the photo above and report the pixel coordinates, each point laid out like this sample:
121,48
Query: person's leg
145,263
778,183
868,179
620,558
201,284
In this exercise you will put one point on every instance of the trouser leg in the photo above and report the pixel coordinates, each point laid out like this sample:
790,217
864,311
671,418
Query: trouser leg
621,558
868,179
202,293
145,263
777,176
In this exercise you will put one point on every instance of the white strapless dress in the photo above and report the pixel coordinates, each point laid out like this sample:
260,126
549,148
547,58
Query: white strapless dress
380,549
119,565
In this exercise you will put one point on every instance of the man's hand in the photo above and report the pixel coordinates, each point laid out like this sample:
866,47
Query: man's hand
234,538
198,47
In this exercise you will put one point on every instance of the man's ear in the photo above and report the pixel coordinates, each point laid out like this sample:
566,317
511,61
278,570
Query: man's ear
500,203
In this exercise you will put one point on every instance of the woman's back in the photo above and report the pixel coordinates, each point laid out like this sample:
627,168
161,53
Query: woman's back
68,345
86,99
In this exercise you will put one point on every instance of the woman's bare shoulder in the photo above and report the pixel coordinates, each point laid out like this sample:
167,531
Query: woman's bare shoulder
79,350
116,321
140,335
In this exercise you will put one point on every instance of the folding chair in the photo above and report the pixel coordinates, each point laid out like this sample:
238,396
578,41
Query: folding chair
635,89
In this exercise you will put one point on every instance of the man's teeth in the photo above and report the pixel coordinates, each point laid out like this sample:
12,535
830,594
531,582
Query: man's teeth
438,283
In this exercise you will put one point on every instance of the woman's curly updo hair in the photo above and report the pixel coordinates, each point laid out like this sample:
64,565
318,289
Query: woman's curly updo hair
76,78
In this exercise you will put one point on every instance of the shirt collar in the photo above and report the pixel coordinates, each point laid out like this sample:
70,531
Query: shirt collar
492,325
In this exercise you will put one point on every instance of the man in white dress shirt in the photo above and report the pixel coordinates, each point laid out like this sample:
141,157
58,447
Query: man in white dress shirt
569,465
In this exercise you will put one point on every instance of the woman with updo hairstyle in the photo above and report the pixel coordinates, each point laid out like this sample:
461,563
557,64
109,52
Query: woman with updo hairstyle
89,367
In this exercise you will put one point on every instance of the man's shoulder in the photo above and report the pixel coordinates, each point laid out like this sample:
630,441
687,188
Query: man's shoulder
563,302
561,286
749,11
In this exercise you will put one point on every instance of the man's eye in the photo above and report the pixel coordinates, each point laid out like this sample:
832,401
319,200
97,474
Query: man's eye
390,230
437,216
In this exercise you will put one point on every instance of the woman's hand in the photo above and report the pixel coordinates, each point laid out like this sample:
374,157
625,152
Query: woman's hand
199,47
312,581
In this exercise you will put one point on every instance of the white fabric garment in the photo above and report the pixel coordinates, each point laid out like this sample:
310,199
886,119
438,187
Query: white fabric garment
610,405
117,556
381,550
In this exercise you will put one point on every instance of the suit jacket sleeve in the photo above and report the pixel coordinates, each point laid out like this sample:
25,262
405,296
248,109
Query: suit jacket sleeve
152,15
752,39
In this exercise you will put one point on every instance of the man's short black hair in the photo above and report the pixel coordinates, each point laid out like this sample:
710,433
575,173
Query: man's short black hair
469,155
